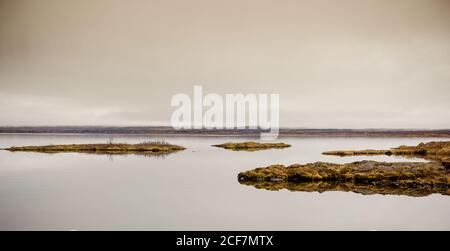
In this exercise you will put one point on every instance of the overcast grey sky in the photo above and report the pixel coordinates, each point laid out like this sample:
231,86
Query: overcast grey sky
343,64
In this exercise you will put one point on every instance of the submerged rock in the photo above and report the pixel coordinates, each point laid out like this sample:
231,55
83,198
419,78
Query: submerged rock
365,177
252,146
146,148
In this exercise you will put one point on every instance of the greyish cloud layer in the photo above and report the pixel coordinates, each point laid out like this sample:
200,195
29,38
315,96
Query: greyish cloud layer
345,64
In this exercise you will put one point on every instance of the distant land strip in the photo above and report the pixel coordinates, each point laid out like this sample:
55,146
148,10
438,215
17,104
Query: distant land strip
163,130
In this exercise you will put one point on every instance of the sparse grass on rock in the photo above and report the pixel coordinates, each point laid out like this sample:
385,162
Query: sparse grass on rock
252,146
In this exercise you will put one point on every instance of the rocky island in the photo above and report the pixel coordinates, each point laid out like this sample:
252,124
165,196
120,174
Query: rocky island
365,177
251,146
145,148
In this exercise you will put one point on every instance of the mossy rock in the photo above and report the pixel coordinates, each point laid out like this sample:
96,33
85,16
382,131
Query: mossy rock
410,178
252,146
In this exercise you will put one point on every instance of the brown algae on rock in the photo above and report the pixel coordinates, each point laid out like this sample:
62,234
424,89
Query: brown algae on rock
365,177
251,146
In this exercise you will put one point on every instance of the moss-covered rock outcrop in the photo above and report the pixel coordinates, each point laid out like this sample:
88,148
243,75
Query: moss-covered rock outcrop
252,146
146,148
366,177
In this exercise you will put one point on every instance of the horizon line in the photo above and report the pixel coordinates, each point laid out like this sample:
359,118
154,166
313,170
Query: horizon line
170,127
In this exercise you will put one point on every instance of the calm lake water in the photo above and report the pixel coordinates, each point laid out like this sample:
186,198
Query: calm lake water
196,189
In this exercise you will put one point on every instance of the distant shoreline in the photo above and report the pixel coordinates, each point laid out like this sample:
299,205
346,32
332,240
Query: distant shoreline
169,131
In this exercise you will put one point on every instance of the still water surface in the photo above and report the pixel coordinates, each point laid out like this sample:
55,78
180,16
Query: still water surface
196,189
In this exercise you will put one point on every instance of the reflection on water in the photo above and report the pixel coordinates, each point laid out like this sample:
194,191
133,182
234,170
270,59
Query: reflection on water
360,188
195,189
110,155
